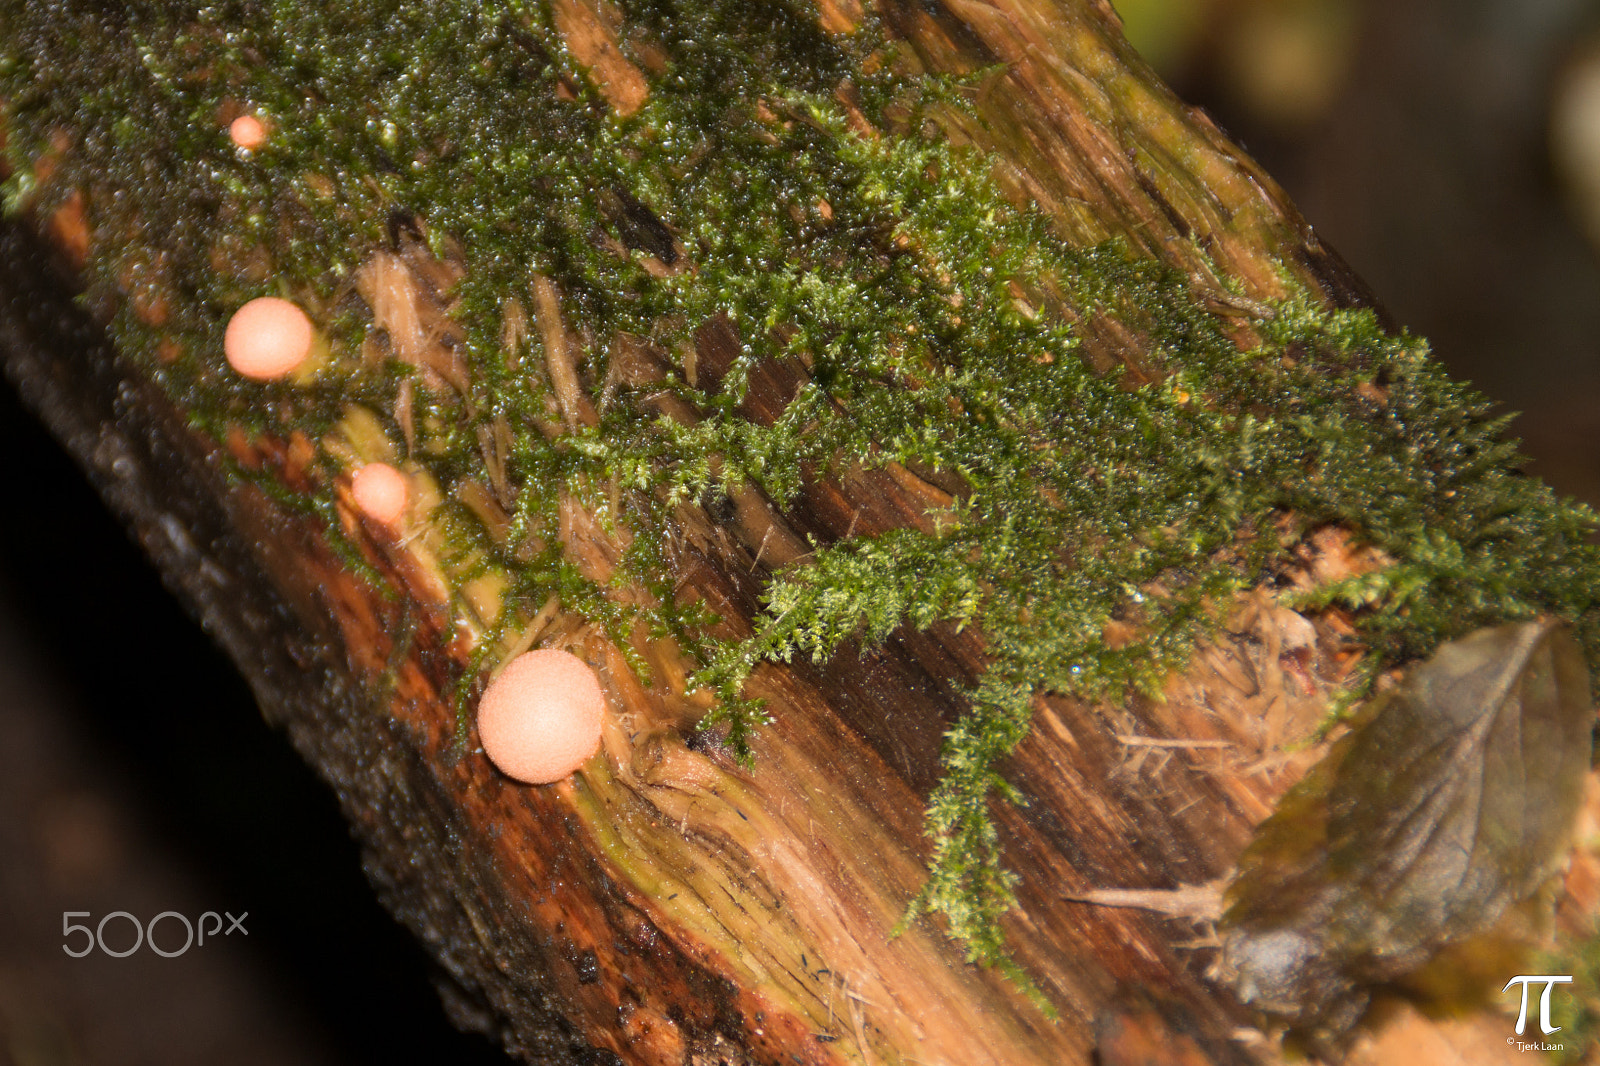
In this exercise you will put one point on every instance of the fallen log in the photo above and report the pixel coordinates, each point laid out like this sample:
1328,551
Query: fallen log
930,375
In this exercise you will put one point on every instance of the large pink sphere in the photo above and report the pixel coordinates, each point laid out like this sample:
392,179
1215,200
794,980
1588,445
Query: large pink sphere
267,338
540,717
380,491
248,131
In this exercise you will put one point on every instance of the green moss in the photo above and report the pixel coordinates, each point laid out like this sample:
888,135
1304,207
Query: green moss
1089,501
1574,1008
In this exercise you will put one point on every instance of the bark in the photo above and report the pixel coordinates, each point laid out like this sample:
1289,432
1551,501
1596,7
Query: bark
666,905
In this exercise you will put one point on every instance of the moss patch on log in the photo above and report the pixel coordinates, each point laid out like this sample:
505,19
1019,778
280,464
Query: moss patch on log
792,185
1576,1014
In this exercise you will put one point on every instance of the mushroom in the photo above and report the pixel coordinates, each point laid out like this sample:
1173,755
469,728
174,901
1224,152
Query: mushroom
248,132
381,492
267,338
540,717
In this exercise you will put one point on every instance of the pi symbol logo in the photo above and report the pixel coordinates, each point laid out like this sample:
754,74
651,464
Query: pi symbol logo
1527,980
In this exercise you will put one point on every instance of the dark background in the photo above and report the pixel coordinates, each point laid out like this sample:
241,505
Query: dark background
136,773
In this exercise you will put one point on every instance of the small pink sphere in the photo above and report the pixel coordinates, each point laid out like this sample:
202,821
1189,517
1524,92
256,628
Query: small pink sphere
540,718
267,338
248,131
380,491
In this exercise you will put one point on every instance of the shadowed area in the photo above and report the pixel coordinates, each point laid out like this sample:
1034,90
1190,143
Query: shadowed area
138,775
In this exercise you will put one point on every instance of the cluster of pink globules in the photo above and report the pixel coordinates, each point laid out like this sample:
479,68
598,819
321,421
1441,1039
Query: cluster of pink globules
540,718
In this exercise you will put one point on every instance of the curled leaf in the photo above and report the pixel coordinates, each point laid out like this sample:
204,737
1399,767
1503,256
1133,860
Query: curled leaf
1453,797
